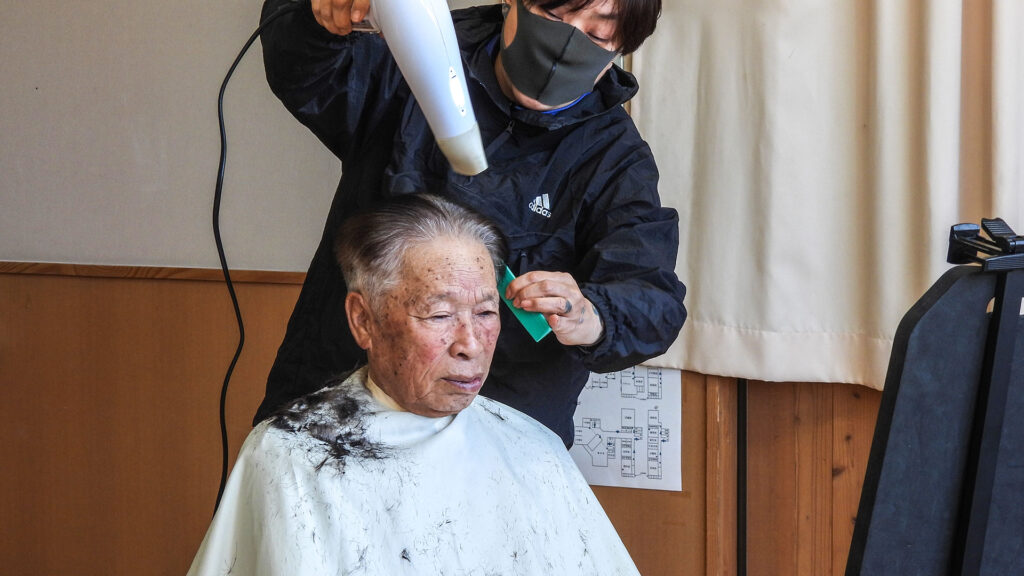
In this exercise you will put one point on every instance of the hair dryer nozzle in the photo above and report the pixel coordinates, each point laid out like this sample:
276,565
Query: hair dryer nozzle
465,152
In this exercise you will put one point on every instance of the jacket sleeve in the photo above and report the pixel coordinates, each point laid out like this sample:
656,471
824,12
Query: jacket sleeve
628,265
343,88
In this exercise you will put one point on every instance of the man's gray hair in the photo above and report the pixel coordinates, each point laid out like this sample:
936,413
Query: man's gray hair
371,245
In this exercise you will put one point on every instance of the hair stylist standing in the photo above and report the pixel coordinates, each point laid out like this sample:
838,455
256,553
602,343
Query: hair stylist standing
570,183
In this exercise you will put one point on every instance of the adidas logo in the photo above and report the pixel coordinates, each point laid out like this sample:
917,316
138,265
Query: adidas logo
541,206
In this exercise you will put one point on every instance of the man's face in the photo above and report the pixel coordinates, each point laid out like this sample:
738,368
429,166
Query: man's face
599,22
431,340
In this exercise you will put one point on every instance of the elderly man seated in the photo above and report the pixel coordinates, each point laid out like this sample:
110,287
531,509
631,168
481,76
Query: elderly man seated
401,468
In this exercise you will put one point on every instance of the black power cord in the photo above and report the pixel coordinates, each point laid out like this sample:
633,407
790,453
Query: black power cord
285,9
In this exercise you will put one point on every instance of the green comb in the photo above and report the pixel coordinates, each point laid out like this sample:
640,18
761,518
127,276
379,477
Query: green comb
534,322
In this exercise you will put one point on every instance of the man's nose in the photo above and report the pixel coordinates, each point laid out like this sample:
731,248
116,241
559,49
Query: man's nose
467,343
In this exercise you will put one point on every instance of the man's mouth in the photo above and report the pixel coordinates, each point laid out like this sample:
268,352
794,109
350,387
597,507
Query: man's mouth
466,383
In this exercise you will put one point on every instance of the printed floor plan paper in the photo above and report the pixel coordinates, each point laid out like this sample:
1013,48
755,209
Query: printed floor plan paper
629,429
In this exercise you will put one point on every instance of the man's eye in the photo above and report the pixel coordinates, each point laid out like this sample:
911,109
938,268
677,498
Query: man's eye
552,16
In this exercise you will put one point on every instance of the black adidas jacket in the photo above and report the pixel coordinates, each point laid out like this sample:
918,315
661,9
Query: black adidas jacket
603,220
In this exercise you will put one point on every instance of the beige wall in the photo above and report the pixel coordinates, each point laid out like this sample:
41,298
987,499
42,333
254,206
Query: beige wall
109,141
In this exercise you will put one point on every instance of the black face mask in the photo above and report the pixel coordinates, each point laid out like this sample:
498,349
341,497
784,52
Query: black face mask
551,62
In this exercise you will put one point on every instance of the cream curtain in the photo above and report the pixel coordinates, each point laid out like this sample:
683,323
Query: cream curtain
818,152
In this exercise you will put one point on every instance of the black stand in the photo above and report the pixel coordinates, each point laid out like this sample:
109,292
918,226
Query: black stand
944,487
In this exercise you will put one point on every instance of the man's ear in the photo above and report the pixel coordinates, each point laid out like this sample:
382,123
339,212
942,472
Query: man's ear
360,317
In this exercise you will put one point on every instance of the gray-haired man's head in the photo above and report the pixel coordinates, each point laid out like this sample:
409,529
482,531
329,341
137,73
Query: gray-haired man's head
423,299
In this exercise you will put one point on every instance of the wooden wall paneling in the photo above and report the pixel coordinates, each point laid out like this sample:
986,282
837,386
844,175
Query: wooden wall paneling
855,410
808,446
789,473
721,476
109,385
814,477
665,531
771,479
110,391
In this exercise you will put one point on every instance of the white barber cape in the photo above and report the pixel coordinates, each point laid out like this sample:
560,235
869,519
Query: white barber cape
343,484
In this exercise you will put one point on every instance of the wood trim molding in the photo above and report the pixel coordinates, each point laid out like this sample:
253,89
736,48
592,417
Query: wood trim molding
150,272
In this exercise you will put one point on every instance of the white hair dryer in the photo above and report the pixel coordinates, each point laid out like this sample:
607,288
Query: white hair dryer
421,37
